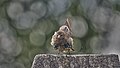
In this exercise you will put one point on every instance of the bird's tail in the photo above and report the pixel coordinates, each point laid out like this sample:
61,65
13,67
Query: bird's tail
72,49
68,23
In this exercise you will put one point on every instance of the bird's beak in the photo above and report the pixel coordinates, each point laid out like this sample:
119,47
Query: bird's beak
58,36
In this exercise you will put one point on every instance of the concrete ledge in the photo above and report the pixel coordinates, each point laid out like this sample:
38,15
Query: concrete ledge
76,61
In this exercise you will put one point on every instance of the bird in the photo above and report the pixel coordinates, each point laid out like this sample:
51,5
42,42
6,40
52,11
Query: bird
62,39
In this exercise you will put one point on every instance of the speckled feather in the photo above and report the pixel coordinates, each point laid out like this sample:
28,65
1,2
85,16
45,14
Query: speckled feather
62,40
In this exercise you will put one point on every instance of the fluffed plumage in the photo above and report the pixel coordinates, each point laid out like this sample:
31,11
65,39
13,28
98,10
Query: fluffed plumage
62,40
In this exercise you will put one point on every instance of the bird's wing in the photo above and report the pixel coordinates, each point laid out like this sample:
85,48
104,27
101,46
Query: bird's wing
70,41
53,39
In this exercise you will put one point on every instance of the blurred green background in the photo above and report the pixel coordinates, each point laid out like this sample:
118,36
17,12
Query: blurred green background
26,28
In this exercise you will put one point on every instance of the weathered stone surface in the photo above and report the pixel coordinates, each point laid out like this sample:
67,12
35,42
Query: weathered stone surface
76,61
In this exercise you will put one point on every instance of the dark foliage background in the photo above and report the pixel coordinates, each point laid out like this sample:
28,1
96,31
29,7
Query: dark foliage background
26,27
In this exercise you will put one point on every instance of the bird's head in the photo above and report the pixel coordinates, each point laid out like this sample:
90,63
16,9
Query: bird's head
60,35
64,28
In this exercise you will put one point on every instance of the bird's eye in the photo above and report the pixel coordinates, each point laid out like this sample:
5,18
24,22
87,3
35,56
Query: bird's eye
66,29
